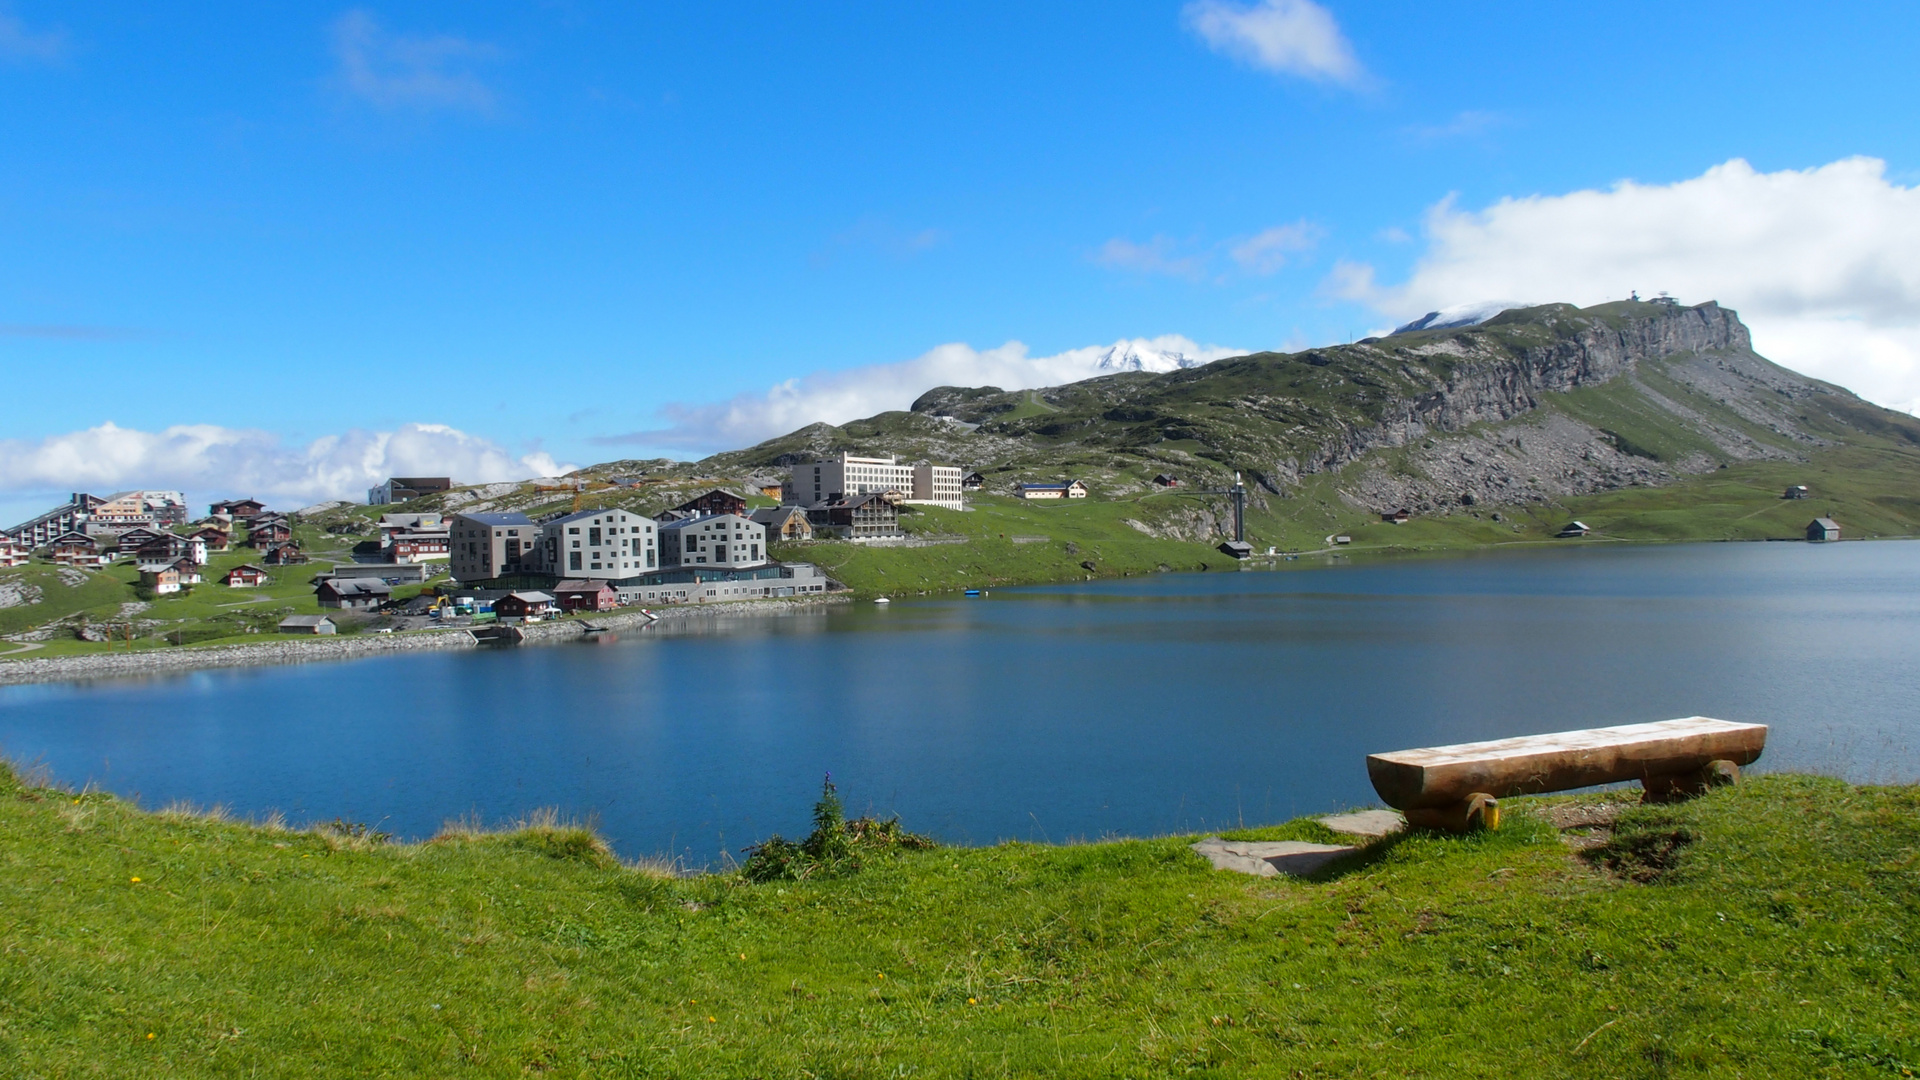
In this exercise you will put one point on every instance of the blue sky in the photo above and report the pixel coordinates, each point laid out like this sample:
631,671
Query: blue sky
289,247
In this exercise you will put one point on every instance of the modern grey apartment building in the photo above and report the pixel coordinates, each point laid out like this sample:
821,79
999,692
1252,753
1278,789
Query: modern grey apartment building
600,545
488,546
721,540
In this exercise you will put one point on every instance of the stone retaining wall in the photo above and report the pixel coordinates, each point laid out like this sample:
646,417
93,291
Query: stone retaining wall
303,650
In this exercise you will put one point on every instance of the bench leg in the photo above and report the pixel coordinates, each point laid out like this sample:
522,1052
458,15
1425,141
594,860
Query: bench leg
1676,787
1480,811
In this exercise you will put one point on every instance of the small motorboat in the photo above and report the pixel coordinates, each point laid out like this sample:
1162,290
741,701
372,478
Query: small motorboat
881,600
973,592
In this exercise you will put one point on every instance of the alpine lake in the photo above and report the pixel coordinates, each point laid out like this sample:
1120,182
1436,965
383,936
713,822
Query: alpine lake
1177,703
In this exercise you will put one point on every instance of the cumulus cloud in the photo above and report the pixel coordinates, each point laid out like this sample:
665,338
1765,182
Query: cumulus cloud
835,397
237,461
397,71
18,42
1291,37
1819,262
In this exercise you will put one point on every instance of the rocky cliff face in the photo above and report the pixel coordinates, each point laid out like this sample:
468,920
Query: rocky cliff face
1529,405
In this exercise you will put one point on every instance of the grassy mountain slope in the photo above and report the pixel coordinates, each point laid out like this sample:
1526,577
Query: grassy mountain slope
1648,421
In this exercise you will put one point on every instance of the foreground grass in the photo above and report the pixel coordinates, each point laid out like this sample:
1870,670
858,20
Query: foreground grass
1768,930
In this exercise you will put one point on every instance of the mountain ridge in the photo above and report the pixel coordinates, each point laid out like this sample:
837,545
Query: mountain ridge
1525,407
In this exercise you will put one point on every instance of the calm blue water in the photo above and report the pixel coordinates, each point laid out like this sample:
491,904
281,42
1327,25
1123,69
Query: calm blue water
1151,705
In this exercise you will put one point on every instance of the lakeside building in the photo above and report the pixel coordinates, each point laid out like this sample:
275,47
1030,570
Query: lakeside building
874,516
1820,530
713,502
95,514
398,489
487,547
352,594
530,604
784,523
391,573
307,624
237,508
821,481
601,545
707,585
585,595
246,576
728,540
161,580
77,549
1072,489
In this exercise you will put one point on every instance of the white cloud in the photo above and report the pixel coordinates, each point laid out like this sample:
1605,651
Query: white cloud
1258,255
394,71
1820,262
1156,256
836,397
17,42
232,462
1268,252
1292,37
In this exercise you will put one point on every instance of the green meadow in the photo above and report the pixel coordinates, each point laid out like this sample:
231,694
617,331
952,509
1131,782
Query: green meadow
1767,930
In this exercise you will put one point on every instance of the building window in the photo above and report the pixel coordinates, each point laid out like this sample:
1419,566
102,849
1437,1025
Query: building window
573,560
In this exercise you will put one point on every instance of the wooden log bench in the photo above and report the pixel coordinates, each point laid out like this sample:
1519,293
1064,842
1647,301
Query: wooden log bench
1460,787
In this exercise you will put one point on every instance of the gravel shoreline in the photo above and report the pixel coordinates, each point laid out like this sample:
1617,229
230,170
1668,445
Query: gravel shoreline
307,650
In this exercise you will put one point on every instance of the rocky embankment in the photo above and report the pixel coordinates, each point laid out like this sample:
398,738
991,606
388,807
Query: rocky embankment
307,650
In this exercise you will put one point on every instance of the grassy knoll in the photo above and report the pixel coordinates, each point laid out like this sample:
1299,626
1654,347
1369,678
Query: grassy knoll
1008,542
1766,930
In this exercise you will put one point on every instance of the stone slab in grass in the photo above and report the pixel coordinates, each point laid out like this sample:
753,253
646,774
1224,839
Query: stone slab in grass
1366,822
1270,858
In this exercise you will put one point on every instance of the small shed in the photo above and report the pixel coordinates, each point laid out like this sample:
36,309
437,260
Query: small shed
1574,528
1398,517
1797,491
584,595
307,624
247,576
1343,539
523,605
1167,480
1239,549
1823,529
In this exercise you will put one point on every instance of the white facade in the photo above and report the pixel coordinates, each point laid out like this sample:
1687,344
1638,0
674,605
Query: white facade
724,540
600,545
848,475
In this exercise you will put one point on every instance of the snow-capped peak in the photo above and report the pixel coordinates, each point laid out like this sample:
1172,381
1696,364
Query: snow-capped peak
1460,315
1138,356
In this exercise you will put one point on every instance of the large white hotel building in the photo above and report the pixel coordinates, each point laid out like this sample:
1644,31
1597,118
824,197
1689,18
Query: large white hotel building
938,485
